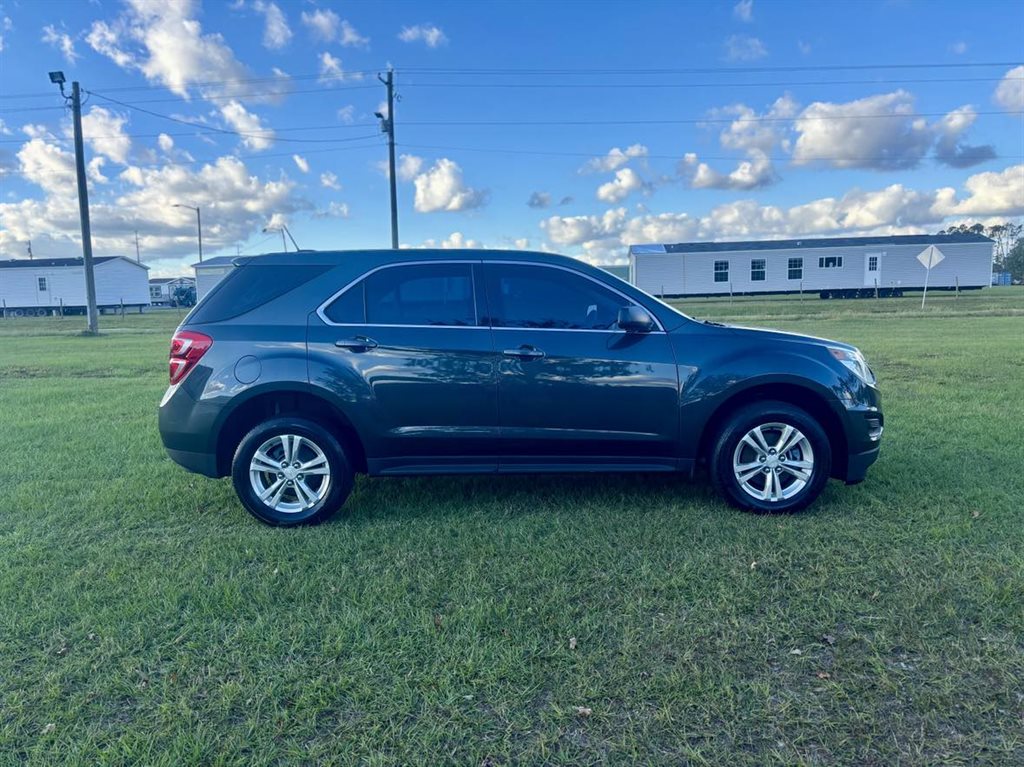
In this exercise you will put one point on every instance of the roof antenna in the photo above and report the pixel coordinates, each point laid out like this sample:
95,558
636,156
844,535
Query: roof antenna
30,249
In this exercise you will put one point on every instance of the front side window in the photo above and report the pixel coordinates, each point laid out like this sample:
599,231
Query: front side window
757,270
796,269
830,262
42,283
417,294
527,296
721,271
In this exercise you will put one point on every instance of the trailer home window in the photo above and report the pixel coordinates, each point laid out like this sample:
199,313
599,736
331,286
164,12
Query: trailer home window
757,270
872,263
721,271
42,284
796,268
830,262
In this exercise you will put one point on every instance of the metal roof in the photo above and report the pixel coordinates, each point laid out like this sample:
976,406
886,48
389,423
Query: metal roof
830,242
30,263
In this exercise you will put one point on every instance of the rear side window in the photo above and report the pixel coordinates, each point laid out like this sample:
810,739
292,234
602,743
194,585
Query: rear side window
418,294
248,287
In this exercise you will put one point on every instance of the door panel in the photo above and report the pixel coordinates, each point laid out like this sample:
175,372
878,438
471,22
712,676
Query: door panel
872,270
578,394
425,396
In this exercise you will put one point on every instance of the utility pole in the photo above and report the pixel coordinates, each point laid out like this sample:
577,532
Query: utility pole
138,258
387,125
57,78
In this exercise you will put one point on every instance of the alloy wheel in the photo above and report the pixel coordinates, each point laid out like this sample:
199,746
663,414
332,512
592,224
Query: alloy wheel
290,473
773,462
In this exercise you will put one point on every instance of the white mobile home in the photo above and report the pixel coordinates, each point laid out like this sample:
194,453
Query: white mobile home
40,286
162,289
833,268
210,272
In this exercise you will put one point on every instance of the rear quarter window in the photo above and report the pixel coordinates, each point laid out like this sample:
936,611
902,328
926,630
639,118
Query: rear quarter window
251,286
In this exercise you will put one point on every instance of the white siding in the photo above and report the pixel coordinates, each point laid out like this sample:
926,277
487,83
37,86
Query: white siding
20,286
693,273
121,281
208,276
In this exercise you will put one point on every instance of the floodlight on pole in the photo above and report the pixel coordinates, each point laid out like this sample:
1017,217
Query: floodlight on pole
199,225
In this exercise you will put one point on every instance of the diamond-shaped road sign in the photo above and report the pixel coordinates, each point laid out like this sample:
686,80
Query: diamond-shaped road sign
930,256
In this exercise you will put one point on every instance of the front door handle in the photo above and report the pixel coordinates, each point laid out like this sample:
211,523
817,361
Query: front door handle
356,344
524,352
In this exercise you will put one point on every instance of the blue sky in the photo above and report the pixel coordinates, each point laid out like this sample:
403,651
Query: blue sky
577,127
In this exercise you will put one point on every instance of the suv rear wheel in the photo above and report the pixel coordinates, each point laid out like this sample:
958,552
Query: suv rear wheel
291,471
771,456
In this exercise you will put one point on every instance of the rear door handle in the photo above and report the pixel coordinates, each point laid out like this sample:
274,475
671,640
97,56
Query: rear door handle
356,344
524,352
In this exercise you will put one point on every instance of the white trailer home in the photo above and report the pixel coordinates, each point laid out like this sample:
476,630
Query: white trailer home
41,286
210,272
842,267
162,289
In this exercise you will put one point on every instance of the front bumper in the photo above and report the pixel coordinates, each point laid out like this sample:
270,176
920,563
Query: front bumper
864,426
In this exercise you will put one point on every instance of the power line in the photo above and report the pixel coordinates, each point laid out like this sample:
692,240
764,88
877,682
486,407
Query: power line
600,155
691,121
707,70
639,86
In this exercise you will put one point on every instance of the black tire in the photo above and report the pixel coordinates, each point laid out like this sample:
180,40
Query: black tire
740,423
341,476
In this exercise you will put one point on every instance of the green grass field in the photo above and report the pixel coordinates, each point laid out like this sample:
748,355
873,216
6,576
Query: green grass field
145,618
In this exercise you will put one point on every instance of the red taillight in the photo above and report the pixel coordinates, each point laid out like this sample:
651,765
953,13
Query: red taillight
187,348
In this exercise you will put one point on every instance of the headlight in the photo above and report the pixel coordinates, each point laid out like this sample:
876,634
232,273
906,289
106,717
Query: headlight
855,361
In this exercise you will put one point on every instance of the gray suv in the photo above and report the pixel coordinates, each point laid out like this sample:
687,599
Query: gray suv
300,370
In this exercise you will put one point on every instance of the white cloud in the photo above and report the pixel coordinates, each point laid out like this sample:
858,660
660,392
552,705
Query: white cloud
301,163
236,201
330,68
744,48
950,150
276,33
347,114
878,132
626,182
333,210
890,210
4,130
62,41
615,159
169,46
442,188
744,10
753,173
882,132
330,181
255,135
432,35
104,39
165,142
104,132
323,25
351,37
7,25
804,47
408,166
539,200
1010,91
959,47
755,134
454,241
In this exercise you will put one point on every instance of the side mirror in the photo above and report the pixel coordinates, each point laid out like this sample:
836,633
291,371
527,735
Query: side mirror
635,319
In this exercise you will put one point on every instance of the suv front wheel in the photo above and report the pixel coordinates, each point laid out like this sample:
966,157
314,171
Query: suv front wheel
290,471
771,456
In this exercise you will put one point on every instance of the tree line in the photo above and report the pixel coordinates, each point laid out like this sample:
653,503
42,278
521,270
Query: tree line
1008,254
